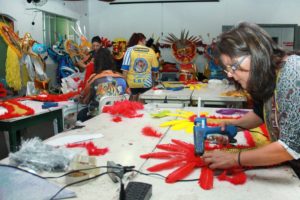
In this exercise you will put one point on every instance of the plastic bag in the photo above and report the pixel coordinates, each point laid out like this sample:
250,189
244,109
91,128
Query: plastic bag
36,155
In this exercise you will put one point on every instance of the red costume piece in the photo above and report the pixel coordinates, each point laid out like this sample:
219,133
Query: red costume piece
3,91
53,97
182,156
184,50
14,109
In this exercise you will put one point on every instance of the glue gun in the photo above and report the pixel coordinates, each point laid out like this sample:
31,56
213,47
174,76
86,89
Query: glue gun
201,131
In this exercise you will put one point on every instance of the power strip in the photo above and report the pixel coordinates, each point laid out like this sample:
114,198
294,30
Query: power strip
138,191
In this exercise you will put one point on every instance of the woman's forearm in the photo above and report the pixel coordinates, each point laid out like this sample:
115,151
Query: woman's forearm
271,154
248,121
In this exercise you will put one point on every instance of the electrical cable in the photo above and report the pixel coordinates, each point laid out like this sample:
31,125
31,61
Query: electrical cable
122,190
87,179
74,171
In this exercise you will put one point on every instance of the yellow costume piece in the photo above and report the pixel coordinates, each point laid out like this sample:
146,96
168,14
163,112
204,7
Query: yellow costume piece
13,75
181,124
259,138
196,86
17,109
234,93
25,76
10,38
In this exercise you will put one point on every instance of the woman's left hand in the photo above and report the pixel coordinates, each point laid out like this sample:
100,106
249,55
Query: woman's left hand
220,160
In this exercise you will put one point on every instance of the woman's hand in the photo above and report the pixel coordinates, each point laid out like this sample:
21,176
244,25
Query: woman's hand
220,160
221,139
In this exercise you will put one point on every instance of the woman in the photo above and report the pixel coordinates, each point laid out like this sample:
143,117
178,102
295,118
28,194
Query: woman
88,63
105,82
138,64
272,78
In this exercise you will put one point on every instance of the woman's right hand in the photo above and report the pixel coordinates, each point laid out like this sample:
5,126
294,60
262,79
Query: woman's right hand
223,124
222,139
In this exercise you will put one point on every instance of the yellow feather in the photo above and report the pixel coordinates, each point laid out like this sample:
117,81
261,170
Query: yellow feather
190,129
171,123
181,126
13,74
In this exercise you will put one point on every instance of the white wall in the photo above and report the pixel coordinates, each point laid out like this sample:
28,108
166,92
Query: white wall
18,9
199,18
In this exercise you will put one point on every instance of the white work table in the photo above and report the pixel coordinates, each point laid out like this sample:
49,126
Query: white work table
40,115
126,143
274,183
212,95
182,96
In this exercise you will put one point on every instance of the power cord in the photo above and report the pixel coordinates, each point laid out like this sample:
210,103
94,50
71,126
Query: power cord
74,183
124,168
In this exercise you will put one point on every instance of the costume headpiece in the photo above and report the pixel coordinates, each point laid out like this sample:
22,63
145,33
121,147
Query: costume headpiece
184,49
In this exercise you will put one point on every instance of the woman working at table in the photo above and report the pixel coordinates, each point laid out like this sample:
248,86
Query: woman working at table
106,81
272,78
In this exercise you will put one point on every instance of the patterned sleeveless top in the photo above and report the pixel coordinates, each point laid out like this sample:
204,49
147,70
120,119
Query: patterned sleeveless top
282,111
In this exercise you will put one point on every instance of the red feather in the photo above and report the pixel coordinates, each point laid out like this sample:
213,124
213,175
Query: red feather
124,108
117,119
162,155
149,131
91,148
167,165
249,138
183,145
169,147
180,173
206,180
238,177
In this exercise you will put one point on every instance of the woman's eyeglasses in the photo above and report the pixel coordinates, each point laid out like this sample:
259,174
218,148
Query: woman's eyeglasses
236,66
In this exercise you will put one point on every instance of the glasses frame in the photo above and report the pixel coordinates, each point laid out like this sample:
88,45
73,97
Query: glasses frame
235,66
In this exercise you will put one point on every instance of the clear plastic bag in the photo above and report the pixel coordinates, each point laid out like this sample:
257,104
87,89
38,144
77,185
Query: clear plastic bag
36,155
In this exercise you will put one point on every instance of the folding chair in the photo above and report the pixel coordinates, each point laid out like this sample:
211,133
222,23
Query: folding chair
109,100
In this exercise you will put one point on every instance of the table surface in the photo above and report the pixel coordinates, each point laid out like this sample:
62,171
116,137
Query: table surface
184,94
126,143
274,183
214,93
207,92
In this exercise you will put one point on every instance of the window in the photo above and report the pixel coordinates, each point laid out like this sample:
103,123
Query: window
57,26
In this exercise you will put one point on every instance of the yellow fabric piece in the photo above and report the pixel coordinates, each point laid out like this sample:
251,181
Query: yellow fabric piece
13,75
25,76
17,109
196,86
173,122
259,138
190,129
182,125
8,41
